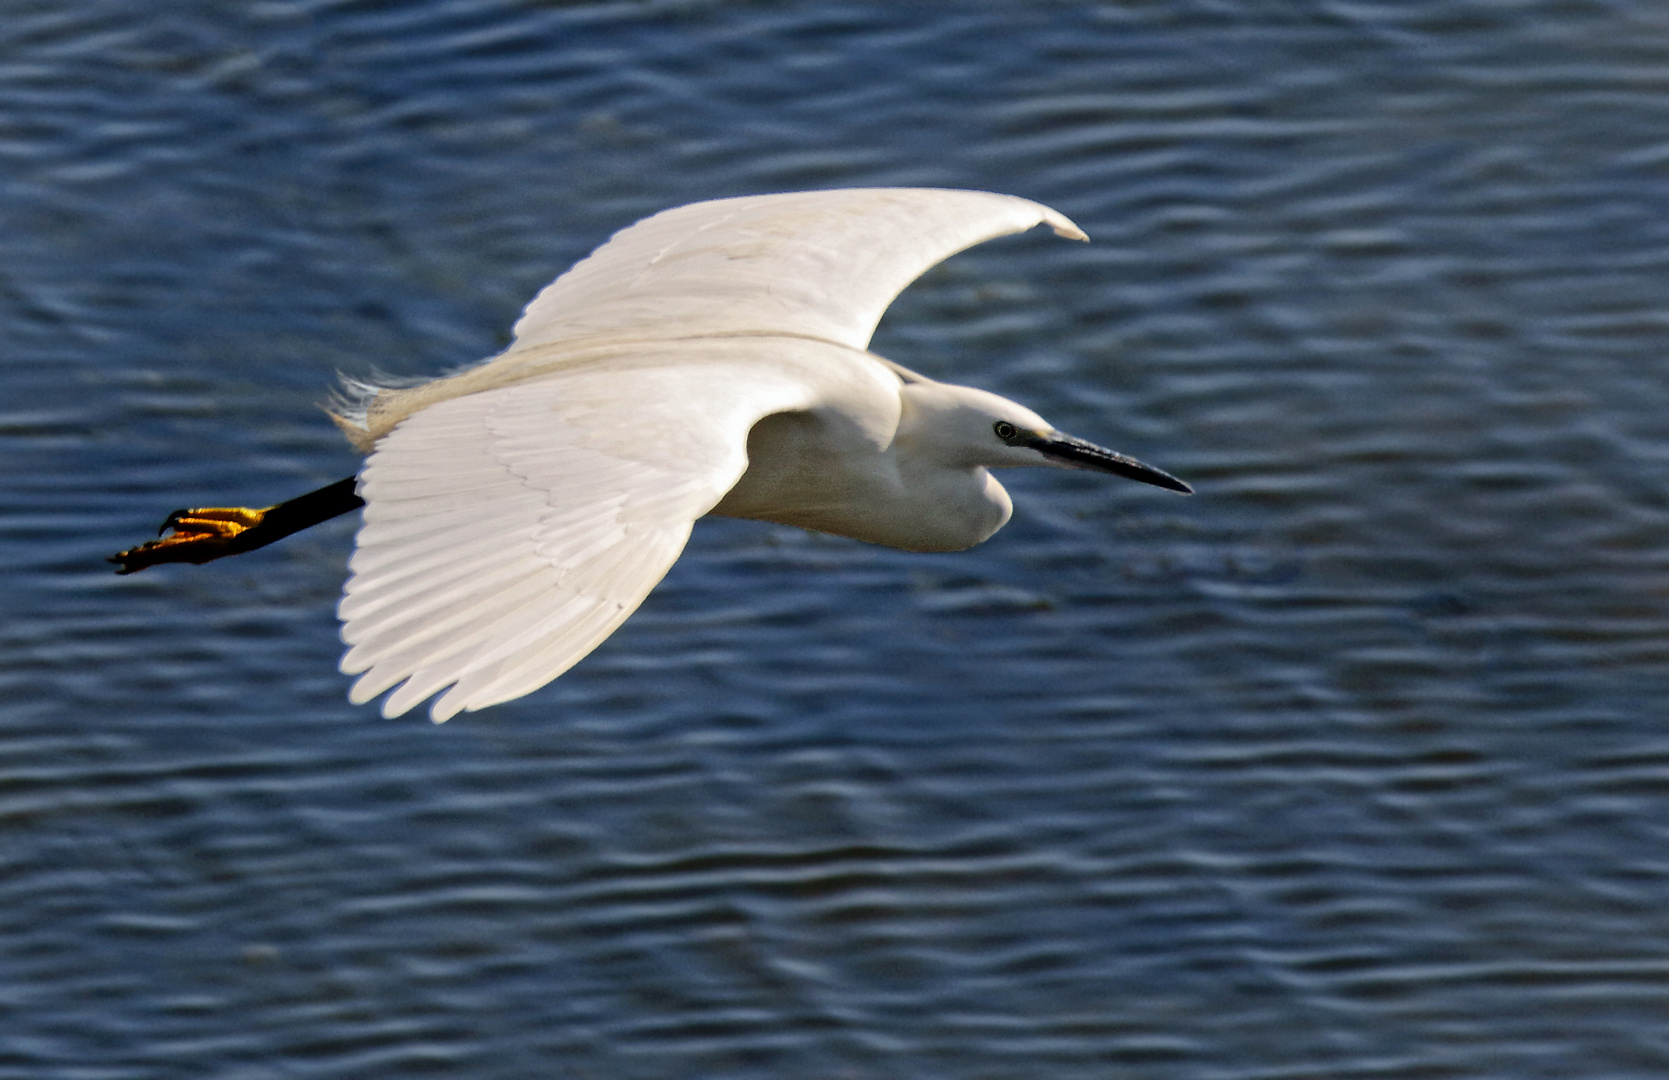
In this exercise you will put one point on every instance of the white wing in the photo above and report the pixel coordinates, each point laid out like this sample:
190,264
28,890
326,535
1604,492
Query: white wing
508,532
817,264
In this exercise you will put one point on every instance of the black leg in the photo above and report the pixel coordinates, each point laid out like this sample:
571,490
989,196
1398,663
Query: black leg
209,533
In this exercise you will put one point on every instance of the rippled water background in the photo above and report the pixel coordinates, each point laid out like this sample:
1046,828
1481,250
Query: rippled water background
1354,765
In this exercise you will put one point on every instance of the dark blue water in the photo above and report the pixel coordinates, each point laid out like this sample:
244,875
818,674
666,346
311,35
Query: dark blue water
1354,765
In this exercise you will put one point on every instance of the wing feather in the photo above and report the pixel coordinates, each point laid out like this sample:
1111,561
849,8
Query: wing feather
430,662
424,550
508,532
434,585
456,618
526,669
819,264
438,675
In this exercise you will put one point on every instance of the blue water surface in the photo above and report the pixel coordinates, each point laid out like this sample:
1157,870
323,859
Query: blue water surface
1354,765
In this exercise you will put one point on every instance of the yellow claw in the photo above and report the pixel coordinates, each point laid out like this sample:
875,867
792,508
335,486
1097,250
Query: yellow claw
199,536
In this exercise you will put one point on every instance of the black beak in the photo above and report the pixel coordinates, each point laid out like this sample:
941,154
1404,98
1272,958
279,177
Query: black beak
1071,453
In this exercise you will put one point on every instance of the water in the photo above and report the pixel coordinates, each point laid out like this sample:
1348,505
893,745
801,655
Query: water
1352,765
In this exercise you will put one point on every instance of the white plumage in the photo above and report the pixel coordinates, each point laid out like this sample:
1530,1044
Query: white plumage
708,359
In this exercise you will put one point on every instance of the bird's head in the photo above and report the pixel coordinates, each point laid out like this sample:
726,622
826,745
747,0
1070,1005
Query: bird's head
968,428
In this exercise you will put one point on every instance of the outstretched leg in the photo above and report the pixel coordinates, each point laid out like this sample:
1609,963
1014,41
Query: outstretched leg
214,532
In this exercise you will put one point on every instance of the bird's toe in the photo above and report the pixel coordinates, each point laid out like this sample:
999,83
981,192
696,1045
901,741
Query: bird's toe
199,535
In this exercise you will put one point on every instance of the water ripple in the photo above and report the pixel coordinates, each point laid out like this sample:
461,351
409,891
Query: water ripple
1347,767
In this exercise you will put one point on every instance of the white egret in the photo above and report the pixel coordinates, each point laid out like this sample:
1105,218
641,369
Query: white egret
710,359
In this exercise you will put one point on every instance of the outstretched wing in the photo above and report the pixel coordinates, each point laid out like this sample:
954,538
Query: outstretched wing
816,264
508,532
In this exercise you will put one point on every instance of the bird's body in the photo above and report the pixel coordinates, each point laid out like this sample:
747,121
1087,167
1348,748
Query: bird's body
865,465
709,359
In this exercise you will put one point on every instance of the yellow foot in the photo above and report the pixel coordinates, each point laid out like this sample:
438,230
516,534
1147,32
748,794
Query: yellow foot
199,536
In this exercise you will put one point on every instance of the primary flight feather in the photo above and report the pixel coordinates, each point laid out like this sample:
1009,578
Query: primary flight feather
709,359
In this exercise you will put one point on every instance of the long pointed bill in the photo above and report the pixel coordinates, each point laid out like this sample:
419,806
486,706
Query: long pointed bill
1072,453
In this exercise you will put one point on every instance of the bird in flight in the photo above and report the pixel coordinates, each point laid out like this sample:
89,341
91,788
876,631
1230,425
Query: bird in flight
711,359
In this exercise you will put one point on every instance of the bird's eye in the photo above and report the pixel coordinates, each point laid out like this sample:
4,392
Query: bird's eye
1005,430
